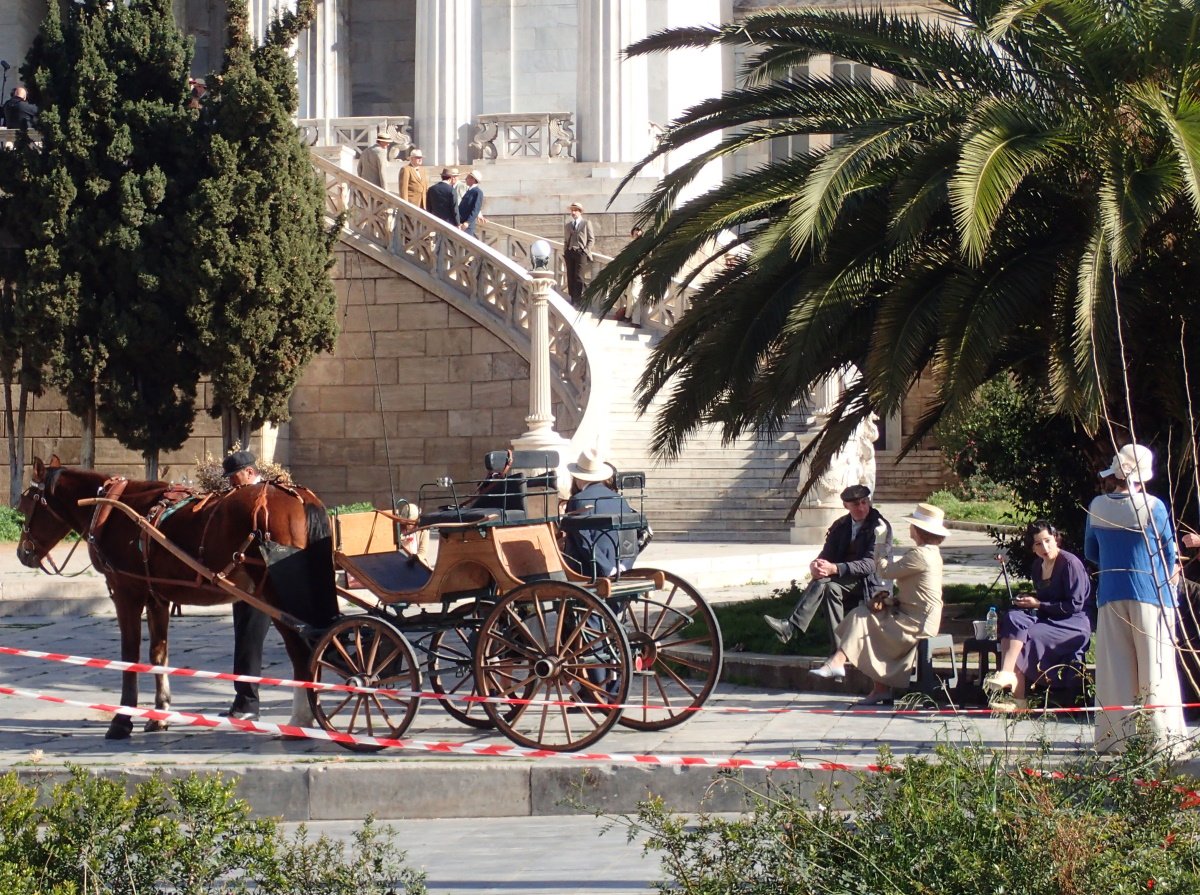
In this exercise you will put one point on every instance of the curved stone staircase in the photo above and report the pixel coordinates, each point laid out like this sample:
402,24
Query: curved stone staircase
713,492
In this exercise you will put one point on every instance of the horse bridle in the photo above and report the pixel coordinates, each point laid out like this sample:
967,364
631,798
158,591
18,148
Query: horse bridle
36,493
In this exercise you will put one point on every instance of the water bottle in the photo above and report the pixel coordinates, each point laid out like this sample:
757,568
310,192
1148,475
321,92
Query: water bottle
993,623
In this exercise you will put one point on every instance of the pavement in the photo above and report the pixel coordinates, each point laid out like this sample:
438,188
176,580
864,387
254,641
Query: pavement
321,781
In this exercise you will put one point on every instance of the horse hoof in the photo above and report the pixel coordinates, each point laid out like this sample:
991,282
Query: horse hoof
153,726
119,731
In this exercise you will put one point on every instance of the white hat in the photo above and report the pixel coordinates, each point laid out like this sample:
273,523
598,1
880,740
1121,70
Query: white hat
929,518
1132,463
474,175
590,467
408,512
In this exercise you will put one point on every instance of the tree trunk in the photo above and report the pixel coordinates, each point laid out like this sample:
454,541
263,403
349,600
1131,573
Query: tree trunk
235,430
14,431
87,439
150,465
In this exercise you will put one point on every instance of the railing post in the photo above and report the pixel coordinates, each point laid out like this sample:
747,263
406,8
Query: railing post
540,434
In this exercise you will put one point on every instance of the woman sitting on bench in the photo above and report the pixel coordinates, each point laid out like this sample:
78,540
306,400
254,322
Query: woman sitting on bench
1045,629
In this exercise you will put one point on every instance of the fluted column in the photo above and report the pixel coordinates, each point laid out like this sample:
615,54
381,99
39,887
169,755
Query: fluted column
321,68
613,112
448,82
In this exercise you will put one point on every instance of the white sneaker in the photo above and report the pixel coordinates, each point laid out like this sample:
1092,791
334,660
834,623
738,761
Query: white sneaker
782,627
1000,680
830,674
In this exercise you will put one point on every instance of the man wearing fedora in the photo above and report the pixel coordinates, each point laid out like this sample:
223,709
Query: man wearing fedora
470,207
440,202
372,161
250,625
596,554
412,180
578,239
844,572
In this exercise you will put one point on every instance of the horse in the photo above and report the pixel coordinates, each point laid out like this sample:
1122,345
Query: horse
272,541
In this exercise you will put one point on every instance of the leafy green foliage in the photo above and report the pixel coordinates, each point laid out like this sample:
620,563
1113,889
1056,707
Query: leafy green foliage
997,512
189,836
971,822
265,300
1013,191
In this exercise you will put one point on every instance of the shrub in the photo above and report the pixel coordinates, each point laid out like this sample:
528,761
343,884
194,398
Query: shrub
970,822
11,521
190,836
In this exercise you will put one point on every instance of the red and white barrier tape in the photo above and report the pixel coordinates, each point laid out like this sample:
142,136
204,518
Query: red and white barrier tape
484,750
143,668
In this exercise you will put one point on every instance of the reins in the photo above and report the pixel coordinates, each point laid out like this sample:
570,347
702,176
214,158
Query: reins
36,492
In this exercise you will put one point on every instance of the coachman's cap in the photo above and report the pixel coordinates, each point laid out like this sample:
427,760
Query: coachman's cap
855,492
236,462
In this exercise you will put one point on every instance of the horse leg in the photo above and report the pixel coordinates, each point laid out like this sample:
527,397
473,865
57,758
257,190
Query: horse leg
129,622
158,622
300,653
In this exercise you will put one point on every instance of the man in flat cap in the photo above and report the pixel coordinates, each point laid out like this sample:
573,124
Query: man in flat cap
250,625
844,571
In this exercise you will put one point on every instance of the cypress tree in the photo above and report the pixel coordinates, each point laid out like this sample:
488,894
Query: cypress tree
265,303
111,186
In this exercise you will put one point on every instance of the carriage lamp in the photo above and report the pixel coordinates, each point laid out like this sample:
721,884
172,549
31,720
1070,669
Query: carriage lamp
539,255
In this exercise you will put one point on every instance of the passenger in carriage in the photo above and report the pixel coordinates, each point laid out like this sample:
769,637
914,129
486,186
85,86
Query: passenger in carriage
414,542
250,626
593,492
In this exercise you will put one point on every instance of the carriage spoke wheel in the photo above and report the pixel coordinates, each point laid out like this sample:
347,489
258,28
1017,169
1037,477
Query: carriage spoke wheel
451,666
676,645
364,651
551,640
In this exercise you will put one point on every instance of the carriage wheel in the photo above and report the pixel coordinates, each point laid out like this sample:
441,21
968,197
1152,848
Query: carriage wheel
364,651
451,667
550,640
676,645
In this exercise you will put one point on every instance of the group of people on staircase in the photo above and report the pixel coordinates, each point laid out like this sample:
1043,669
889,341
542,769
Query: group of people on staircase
458,204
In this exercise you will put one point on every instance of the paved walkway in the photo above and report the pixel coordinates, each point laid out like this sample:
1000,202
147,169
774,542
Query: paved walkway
316,780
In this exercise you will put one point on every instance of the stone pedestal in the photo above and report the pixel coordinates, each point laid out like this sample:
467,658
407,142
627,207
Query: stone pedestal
811,523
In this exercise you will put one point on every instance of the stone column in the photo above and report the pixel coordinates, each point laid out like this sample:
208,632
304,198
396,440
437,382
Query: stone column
612,110
540,434
448,79
322,70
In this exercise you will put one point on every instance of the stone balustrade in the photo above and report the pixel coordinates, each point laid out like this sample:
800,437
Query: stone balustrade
473,277
357,133
10,135
524,136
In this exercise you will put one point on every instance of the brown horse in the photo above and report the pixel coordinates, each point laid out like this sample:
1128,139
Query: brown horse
242,533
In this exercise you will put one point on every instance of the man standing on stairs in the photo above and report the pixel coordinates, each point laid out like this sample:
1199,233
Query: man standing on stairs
578,240
844,573
439,201
412,180
471,207
371,162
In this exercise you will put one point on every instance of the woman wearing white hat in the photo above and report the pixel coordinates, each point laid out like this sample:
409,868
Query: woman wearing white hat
1130,539
879,638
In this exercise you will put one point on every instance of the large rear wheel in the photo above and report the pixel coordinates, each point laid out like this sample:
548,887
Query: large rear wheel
365,651
552,642
676,645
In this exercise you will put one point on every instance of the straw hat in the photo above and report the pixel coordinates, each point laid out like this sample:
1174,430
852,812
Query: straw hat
1132,463
590,467
408,512
929,518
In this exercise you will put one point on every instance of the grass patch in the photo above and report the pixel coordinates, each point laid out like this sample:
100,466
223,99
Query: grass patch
743,629
992,512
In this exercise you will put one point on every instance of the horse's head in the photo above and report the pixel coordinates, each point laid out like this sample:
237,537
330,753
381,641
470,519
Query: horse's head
44,525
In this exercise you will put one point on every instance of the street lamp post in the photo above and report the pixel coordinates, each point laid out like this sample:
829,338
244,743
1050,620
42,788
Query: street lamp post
540,434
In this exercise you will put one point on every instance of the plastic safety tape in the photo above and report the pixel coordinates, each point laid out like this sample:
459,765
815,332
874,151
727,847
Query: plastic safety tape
484,750
143,668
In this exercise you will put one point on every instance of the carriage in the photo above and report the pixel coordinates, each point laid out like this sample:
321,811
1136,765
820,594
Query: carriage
506,633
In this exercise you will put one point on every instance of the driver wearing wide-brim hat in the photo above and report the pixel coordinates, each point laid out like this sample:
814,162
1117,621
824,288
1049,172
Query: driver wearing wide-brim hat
595,553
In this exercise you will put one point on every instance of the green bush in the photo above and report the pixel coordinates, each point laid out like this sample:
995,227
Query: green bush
969,822
10,523
995,511
189,836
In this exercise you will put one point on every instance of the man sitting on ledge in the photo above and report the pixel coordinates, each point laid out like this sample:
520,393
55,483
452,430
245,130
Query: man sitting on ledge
844,571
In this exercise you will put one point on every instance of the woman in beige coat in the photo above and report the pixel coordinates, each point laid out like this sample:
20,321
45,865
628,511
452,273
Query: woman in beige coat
879,638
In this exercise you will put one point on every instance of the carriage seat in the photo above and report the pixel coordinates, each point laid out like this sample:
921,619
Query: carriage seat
603,522
457,516
385,574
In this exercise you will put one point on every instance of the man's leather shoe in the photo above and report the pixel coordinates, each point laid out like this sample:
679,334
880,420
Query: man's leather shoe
240,716
782,627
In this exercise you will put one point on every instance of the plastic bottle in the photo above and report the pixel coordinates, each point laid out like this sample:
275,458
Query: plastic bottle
993,623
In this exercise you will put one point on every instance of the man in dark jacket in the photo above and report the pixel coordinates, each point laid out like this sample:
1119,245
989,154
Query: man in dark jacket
597,553
844,571
471,204
19,113
439,198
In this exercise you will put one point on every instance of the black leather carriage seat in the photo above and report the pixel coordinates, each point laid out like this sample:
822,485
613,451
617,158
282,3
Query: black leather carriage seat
387,573
623,528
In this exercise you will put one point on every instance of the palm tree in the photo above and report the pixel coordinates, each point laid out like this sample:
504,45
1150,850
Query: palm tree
1016,193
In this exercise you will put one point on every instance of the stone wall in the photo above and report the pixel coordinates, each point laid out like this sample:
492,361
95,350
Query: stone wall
382,56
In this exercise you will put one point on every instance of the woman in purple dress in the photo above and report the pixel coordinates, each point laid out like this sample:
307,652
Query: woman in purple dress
1045,629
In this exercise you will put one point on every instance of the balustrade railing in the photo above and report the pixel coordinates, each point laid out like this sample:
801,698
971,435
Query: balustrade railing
473,275
524,135
357,133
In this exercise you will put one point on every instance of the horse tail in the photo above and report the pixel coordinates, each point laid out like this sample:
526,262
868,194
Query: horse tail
323,608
